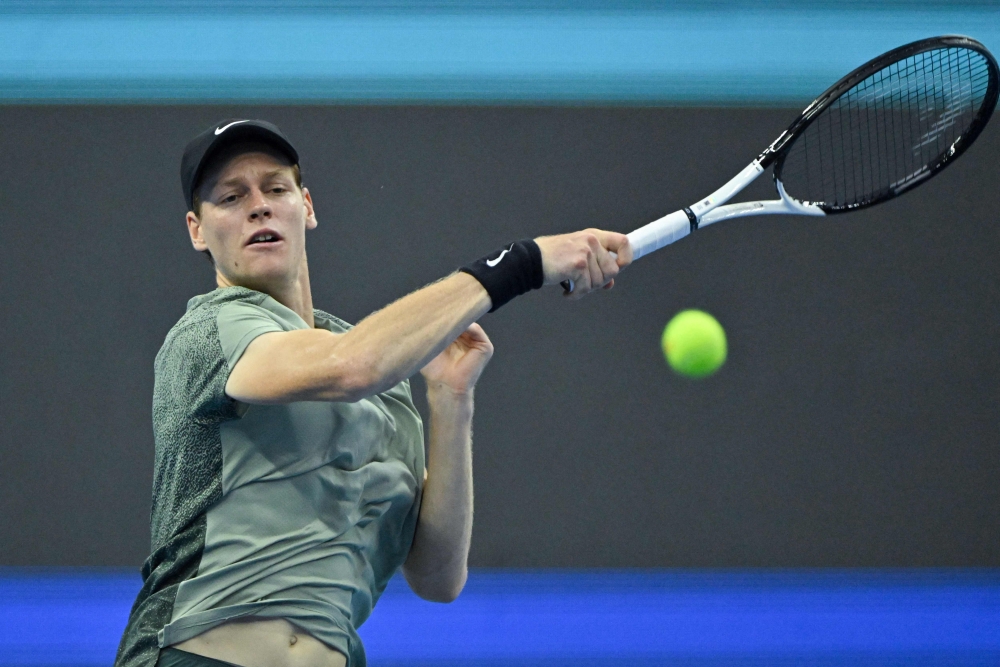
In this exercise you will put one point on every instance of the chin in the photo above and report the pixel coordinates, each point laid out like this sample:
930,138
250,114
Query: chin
260,275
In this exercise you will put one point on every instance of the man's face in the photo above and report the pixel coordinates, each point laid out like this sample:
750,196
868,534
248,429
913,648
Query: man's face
253,220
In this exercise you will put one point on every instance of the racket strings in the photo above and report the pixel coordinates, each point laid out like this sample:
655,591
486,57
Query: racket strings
889,131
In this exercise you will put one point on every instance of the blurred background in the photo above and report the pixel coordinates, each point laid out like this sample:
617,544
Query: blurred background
829,497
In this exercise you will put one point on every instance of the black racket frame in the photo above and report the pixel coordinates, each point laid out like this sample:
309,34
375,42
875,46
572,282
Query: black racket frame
776,152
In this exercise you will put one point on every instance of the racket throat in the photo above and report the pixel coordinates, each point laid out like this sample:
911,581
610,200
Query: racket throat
794,205
747,176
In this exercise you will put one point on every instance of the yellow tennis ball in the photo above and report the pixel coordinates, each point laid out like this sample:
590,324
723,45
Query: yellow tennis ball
694,343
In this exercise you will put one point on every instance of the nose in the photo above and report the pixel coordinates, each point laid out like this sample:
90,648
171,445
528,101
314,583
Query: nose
260,209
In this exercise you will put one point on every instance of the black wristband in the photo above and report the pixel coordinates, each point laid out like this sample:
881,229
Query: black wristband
509,272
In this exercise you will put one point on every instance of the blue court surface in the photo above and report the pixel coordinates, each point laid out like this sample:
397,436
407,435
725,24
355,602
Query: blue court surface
560,618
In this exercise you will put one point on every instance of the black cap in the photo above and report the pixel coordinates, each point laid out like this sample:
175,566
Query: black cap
225,133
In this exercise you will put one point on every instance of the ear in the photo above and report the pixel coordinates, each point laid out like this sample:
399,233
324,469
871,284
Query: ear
311,222
194,229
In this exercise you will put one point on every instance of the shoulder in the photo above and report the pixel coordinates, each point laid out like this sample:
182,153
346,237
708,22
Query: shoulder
197,331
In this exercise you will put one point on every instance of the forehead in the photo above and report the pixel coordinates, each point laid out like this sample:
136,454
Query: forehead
249,165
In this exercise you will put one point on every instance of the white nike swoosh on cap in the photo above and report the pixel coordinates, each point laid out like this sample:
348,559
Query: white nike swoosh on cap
493,262
220,130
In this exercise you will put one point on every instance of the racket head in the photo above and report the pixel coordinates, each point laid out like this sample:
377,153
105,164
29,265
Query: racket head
887,126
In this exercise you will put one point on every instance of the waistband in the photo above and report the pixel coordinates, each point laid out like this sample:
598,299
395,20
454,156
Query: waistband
174,657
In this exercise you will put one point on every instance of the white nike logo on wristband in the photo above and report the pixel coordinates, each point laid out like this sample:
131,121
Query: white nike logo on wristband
493,262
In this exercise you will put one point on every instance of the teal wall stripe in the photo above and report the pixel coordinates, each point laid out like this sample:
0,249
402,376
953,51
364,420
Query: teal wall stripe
720,55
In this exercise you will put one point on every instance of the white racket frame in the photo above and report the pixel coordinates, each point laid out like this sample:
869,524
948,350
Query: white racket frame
671,228
677,225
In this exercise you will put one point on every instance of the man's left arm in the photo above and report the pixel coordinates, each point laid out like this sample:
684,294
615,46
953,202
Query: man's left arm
436,567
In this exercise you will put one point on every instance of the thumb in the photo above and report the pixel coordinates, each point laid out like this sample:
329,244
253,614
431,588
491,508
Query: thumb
618,244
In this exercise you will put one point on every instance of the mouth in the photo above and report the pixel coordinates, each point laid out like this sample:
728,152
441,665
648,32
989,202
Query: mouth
264,238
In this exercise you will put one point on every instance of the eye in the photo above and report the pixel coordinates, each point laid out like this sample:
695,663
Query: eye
229,199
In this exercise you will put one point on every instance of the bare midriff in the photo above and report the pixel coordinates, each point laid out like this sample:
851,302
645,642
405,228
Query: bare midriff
263,643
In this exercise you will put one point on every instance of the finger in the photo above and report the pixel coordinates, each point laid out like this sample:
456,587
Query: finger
610,284
581,282
476,341
477,334
591,253
608,264
624,252
583,251
604,263
613,241
597,278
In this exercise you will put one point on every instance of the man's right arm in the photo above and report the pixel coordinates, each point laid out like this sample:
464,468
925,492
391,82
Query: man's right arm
392,344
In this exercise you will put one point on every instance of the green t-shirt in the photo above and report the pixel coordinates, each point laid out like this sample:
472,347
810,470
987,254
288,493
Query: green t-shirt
301,511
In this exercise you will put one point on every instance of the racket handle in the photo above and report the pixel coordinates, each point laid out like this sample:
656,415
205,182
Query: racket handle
659,233
652,237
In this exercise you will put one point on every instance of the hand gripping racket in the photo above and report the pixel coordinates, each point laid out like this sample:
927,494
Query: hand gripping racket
883,129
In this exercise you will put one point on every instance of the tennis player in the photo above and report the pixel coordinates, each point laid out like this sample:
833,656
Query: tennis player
290,480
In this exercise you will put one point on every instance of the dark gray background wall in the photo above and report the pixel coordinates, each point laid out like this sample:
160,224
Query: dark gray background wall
855,423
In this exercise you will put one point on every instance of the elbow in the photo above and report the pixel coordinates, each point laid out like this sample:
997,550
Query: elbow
352,380
446,593
439,589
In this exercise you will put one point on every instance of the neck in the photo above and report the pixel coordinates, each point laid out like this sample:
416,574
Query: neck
295,293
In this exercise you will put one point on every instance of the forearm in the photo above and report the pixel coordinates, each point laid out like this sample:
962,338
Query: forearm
436,567
392,344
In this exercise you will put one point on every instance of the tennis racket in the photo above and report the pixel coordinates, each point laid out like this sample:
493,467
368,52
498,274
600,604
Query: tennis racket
883,129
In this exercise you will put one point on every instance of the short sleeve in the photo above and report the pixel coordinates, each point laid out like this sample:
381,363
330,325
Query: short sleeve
239,324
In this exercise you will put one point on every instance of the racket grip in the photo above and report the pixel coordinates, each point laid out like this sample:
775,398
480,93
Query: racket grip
659,233
652,237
